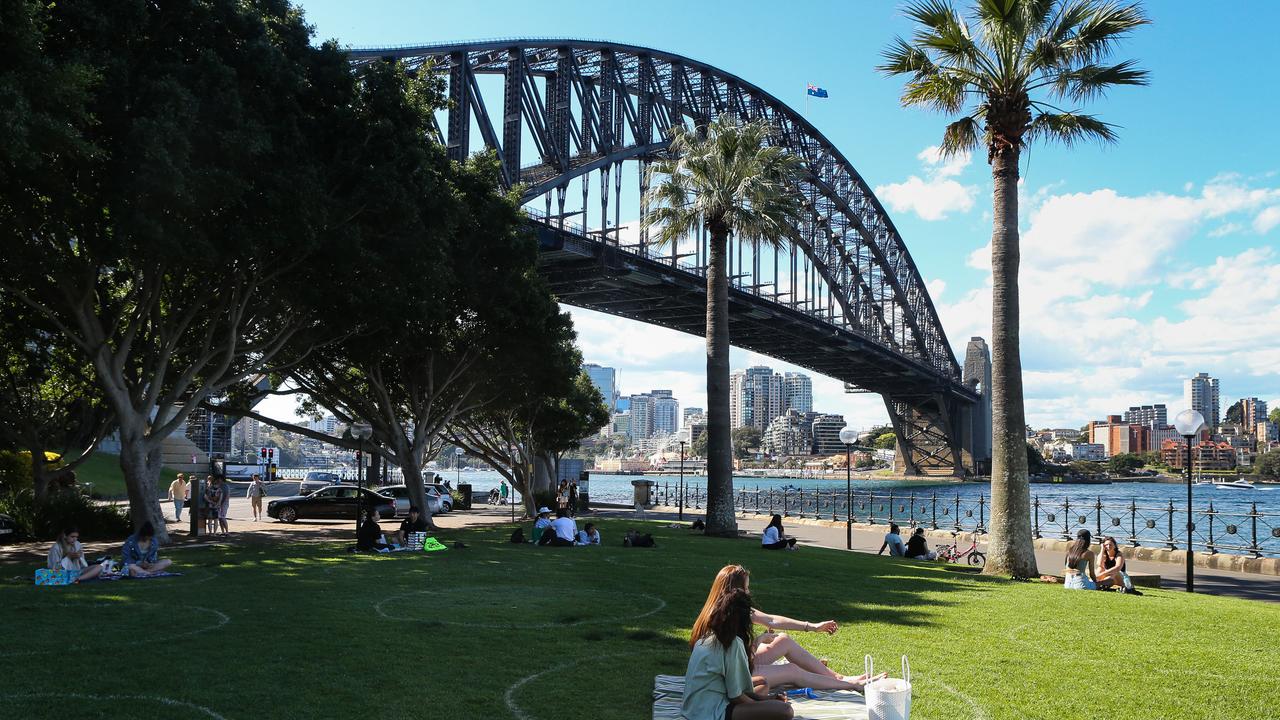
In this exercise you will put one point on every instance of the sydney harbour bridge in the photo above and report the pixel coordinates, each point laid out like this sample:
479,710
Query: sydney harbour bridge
575,123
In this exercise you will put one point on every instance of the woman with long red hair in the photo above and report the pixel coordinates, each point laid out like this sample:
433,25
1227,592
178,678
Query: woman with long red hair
801,668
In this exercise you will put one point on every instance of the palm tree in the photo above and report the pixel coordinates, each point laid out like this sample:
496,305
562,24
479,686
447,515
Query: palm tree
1003,82
727,180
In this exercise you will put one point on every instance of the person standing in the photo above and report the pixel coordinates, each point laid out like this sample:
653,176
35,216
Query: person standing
257,489
502,492
573,499
178,494
224,505
212,501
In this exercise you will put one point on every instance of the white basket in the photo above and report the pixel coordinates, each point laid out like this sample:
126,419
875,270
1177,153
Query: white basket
888,698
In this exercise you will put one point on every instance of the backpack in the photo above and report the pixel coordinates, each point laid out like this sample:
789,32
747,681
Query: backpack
517,537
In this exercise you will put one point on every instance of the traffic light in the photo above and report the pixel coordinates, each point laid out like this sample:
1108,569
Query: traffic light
263,452
271,456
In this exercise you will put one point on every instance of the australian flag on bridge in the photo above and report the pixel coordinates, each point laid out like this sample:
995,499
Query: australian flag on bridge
816,91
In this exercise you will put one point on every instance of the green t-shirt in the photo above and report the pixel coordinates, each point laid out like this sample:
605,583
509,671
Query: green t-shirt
714,675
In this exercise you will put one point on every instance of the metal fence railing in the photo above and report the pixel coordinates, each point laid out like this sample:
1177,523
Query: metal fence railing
1240,531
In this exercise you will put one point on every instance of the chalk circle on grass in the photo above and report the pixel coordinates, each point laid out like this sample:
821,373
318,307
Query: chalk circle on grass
509,697
185,708
100,614
525,607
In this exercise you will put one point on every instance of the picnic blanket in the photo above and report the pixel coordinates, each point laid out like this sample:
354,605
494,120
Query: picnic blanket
123,576
668,694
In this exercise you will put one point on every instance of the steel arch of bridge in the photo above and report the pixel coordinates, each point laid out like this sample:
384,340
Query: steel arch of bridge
587,107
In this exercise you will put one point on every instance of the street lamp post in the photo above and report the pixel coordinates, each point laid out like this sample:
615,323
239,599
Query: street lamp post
361,432
848,436
681,486
1188,424
457,463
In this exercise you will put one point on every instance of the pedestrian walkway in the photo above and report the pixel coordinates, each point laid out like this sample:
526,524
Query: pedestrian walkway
1172,576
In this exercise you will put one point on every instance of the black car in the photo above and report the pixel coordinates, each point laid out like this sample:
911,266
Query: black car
334,501
8,529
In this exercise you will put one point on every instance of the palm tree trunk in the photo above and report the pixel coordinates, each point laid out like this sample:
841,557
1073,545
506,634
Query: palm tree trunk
720,516
1010,547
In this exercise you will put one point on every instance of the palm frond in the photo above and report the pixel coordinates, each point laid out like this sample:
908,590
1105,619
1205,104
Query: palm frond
1092,81
943,92
903,58
960,137
1101,28
1069,128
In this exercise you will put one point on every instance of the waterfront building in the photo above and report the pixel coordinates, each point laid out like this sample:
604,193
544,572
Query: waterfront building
1149,415
690,412
1160,433
1118,437
327,425
1200,393
977,376
1092,452
621,424
788,434
606,381
797,392
826,434
755,397
641,417
1207,455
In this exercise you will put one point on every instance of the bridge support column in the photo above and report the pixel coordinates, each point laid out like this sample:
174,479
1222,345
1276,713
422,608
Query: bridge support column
930,431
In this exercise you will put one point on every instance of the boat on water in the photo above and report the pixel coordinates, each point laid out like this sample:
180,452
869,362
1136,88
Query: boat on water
1234,485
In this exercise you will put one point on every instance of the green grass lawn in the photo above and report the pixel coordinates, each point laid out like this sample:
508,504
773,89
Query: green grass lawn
502,631
104,472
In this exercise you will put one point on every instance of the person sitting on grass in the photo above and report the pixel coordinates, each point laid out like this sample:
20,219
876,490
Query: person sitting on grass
802,669
412,524
141,553
369,535
717,682
918,547
774,538
1113,575
565,530
544,518
893,541
1079,573
589,535
67,554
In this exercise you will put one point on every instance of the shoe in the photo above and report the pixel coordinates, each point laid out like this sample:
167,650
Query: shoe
1133,592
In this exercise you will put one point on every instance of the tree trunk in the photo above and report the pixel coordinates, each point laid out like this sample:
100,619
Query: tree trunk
417,491
141,465
1010,547
39,477
720,516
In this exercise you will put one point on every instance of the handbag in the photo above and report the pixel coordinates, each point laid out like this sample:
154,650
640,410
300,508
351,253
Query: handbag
888,698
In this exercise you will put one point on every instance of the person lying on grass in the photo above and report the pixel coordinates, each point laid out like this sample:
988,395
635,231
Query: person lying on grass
802,669
68,554
718,681
141,553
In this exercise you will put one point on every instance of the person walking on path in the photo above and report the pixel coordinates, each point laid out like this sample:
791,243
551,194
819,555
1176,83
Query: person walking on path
257,489
178,494
502,492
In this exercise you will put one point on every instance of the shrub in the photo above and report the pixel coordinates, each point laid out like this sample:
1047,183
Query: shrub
44,521
15,471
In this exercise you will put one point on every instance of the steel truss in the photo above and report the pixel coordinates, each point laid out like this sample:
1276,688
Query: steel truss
588,107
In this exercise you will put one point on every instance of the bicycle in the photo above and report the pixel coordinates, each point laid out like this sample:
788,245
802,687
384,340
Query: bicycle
971,554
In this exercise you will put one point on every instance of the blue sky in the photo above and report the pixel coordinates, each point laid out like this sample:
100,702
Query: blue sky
1144,262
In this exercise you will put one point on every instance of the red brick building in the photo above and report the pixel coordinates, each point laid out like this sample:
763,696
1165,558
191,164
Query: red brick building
1208,455
1118,437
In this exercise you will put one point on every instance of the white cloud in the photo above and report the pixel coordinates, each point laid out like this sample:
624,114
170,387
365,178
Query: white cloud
1098,330
1267,219
935,195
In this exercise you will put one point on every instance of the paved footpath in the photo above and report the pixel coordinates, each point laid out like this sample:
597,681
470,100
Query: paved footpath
1172,575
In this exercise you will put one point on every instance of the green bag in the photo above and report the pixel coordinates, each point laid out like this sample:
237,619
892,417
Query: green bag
431,545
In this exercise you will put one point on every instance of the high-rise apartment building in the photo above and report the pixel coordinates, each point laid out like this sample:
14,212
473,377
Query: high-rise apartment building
641,418
606,381
797,392
666,413
755,397
1253,411
1149,415
690,412
1200,393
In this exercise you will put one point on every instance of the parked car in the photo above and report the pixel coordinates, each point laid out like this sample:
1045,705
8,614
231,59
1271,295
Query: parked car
316,480
436,503
8,529
334,501
445,495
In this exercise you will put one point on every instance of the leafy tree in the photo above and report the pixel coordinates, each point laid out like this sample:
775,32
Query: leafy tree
47,397
886,441
724,178
183,216
1035,462
1085,467
1235,413
745,439
1006,70
1275,415
1268,464
1124,463
699,447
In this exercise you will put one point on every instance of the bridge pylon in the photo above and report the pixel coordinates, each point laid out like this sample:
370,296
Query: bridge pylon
930,430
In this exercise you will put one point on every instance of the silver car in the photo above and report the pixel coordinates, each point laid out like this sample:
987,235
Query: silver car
436,503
